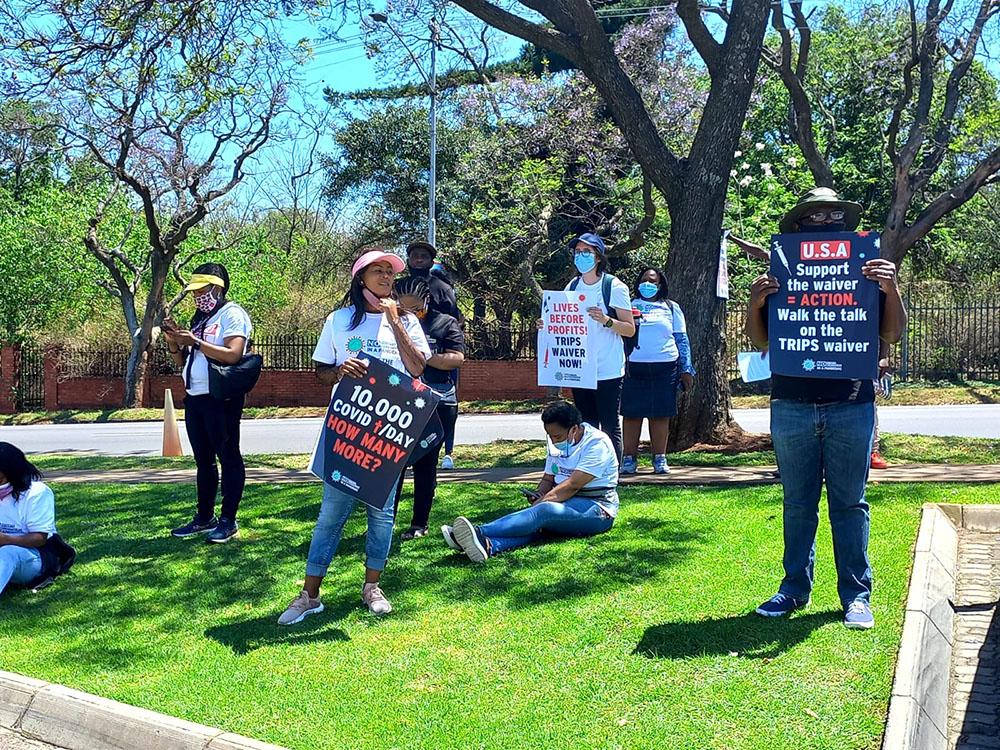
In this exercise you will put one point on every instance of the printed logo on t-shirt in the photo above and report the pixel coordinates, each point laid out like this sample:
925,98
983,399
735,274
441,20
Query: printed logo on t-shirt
212,329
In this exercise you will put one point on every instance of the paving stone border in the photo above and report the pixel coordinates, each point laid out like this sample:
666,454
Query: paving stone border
76,720
918,708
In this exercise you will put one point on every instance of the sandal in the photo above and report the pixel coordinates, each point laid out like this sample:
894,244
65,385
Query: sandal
414,532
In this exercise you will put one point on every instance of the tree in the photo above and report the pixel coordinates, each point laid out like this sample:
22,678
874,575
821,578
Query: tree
29,146
172,100
940,135
693,185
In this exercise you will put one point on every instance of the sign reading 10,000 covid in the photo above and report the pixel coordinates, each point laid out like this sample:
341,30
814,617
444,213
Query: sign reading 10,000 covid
823,320
373,425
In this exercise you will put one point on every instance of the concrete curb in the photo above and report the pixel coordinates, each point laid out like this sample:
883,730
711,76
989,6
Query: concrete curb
79,721
918,708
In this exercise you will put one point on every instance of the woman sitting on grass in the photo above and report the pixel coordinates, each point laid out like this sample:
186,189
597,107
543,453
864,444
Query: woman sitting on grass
27,518
576,497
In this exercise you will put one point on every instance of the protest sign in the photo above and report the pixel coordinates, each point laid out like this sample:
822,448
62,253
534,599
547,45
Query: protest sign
372,426
564,354
823,320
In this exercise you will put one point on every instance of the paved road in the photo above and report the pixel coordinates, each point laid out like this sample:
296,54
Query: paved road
11,741
298,435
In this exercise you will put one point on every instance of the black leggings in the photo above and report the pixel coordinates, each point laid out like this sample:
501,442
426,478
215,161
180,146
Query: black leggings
425,474
600,409
213,427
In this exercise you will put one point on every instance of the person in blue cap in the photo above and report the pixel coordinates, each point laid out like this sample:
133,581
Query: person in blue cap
609,305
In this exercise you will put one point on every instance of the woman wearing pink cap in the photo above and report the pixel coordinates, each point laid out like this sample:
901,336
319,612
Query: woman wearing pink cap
369,324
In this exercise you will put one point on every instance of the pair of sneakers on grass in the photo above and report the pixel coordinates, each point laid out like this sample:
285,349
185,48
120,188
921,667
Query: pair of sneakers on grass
218,530
857,615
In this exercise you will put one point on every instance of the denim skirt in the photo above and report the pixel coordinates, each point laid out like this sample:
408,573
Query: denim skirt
650,390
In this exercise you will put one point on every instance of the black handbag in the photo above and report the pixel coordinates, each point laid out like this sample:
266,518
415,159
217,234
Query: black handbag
231,381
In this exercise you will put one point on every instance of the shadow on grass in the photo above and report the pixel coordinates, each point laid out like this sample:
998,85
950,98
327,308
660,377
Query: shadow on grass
249,635
750,636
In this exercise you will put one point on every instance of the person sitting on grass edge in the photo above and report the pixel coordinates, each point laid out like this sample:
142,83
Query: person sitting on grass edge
577,496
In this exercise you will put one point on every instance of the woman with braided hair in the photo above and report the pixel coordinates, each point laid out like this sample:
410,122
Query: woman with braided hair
447,343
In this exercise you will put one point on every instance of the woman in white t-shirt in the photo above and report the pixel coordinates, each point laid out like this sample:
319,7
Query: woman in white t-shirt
27,518
220,330
610,314
576,497
370,324
659,360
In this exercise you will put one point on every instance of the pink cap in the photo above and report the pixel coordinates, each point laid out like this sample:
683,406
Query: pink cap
374,256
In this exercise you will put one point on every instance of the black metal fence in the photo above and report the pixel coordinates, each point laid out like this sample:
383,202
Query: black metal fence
944,341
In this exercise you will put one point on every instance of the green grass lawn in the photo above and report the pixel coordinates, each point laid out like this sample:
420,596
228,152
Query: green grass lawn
898,449
639,638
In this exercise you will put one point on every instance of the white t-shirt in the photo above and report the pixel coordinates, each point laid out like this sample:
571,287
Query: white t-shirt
231,320
595,455
659,322
34,511
607,345
338,343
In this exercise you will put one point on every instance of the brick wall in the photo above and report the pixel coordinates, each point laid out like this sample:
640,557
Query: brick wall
480,381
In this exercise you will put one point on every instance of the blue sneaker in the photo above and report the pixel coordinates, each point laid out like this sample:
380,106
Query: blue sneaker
660,464
859,616
781,605
629,465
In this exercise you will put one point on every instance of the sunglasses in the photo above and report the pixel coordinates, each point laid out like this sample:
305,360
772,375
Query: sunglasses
817,216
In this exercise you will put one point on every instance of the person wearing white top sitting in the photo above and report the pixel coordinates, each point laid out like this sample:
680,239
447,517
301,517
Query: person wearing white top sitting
659,356
576,497
27,518
220,330
371,323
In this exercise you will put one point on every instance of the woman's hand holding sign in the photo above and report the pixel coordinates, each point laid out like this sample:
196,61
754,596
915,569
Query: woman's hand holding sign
353,368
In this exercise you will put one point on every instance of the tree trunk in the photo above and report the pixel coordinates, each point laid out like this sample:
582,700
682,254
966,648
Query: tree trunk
703,415
141,351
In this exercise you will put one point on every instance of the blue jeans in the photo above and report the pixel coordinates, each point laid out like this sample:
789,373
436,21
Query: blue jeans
813,441
577,516
19,565
333,513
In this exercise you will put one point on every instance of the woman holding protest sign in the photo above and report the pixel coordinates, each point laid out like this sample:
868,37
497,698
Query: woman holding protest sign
610,310
219,331
659,355
447,343
371,323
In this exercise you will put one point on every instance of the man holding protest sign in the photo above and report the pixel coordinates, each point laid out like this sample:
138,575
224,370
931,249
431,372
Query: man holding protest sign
371,345
820,314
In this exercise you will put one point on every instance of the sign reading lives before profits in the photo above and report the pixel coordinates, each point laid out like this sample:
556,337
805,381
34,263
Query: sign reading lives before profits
372,426
565,358
823,320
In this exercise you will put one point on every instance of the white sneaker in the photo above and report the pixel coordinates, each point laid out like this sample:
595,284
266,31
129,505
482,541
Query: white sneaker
302,606
447,463
372,595
449,537
660,464
467,537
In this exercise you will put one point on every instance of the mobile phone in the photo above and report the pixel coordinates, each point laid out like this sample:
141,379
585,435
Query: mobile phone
532,496
168,324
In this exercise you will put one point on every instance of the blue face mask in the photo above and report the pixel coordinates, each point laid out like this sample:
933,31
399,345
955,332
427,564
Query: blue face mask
584,262
648,289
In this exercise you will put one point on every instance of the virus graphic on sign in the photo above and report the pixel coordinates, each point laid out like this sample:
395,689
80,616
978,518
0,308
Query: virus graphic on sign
394,379
354,344
336,476
419,403
808,365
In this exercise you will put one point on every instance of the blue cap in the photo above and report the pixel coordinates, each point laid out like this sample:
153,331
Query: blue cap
593,240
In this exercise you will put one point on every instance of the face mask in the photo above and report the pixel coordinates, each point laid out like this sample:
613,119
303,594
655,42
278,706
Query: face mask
584,262
6,491
206,302
648,289
564,446
370,298
422,272
840,227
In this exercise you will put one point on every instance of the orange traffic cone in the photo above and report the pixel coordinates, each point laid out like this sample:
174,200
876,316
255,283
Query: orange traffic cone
171,435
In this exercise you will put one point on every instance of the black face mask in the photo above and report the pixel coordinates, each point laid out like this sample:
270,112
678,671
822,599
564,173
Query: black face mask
838,227
419,271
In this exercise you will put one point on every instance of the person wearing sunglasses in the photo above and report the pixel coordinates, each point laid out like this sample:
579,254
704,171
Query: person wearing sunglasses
822,430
